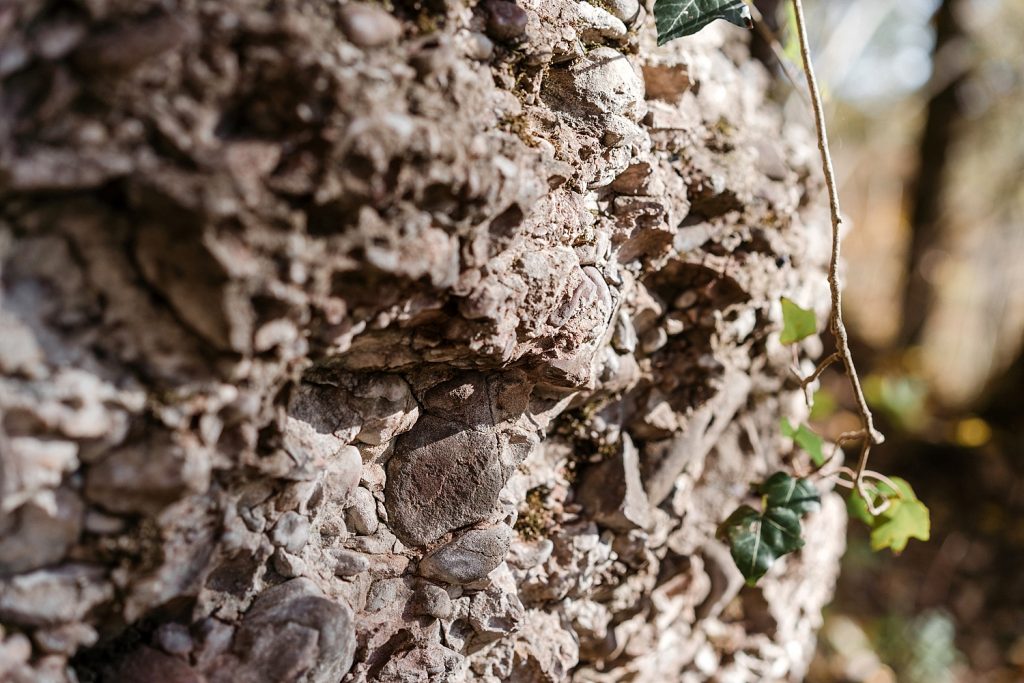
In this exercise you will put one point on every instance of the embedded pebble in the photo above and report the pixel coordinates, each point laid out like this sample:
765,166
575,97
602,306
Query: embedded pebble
349,563
479,46
506,21
361,516
626,11
288,565
469,557
290,532
174,638
597,24
368,26
433,601
653,340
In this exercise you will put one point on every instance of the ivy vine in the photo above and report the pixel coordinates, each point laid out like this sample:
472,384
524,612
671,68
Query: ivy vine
888,506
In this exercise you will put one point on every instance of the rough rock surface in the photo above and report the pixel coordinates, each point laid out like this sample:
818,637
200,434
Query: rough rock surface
428,344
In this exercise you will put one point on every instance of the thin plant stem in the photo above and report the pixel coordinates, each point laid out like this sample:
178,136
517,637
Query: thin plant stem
872,436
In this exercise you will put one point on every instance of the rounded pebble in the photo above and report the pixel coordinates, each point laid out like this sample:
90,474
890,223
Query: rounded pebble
368,26
506,21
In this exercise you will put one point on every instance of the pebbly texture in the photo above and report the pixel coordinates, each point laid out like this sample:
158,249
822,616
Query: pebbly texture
428,344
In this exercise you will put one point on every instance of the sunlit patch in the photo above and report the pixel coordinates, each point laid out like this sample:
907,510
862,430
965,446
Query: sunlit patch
972,432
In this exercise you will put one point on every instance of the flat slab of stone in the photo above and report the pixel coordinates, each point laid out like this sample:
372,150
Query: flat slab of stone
442,477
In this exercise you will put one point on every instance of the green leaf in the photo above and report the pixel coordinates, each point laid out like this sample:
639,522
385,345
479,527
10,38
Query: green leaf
757,540
797,323
805,438
678,18
905,518
783,491
858,509
824,405
903,398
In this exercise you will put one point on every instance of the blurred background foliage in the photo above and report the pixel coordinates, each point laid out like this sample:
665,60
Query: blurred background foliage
926,114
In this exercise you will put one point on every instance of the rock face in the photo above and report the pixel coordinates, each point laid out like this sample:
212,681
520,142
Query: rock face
424,345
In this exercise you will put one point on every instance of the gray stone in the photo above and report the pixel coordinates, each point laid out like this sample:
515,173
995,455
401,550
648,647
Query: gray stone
545,649
470,557
49,597
194,282
432,601
387,264
384,404
174,639
213,639
34,536
612,492
479,46
361,515
148,476
480,401
527,555
288,565
495,612
384,593
349,563
320,419
428,662
65,639
293,633
602,82
290,532
368,25
653,340
335,408
102,524
624,337
442,477
342,473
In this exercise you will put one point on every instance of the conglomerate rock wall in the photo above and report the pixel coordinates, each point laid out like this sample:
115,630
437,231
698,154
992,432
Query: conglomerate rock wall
409,342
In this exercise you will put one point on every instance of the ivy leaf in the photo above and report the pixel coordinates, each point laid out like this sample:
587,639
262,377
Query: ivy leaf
678,18
756,540
783,491
797,323
824,405
858,509
905,518
807,439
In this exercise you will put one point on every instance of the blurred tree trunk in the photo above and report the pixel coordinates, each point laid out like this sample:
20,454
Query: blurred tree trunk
926,200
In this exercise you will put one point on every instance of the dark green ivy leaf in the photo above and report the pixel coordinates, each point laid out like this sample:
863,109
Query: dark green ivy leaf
798,495
805,438
757,540
678,18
